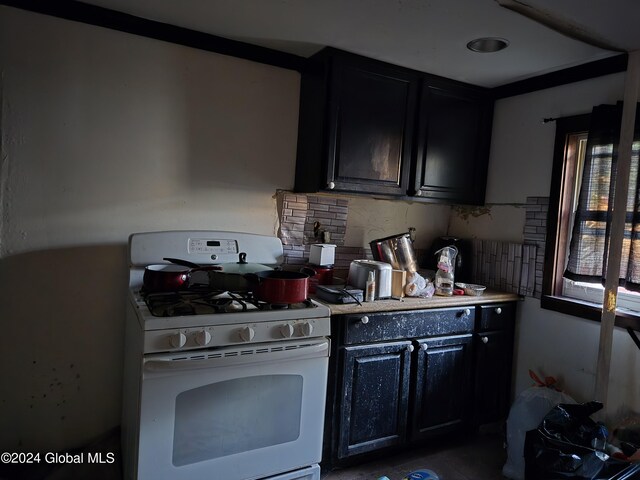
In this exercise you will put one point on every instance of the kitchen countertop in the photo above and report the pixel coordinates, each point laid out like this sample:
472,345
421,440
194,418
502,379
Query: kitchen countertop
415,303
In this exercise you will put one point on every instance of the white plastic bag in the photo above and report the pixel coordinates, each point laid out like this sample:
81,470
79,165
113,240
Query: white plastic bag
527,411
418,286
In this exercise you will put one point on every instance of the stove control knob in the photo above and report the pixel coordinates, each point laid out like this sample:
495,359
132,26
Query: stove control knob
307,329
286,330
177,340
247,334
203,338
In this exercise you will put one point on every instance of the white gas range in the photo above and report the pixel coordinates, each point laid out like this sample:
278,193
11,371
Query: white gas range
218,385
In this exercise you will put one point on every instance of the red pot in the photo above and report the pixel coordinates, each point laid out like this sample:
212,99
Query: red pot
321,276
280,287
169,277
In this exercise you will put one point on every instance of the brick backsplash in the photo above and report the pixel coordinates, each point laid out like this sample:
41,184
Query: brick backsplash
515,267
535,233
507,266
298,214
331,213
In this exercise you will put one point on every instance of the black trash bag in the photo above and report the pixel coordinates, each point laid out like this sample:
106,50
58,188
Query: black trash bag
569,444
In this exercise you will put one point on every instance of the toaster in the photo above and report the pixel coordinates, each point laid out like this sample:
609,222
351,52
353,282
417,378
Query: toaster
359,273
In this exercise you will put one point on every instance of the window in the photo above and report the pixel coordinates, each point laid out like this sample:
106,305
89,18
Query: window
572,281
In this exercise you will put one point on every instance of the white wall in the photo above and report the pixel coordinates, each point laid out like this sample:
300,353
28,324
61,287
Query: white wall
371,218
520,166
105,134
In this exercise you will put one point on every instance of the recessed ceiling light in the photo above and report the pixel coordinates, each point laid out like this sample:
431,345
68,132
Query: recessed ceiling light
487,44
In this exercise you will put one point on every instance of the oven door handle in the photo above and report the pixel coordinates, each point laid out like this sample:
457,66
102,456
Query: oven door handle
235,357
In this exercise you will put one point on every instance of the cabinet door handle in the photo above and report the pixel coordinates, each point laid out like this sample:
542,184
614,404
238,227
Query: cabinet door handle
498,311
410,348
331,185
418,193
466,312
485,339
424,347
364,320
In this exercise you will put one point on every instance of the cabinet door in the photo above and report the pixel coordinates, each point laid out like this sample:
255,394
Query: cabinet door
493,375
371,127
443,380
453,145
493,353
375,387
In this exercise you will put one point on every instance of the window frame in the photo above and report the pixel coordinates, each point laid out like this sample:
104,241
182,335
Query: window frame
556,239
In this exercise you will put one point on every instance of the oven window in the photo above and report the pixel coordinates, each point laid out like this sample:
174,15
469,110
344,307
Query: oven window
236,416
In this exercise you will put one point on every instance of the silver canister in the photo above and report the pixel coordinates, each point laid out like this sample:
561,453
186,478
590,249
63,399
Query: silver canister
396,250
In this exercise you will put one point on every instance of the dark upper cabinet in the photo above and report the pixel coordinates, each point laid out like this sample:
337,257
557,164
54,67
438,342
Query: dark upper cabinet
359,138
453,137
372,128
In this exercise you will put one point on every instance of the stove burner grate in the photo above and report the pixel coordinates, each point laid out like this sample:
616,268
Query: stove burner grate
200,301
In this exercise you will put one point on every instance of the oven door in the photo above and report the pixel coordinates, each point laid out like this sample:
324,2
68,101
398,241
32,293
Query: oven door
238,413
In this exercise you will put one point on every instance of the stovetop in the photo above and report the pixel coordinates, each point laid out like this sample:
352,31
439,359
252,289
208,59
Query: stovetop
201,300
195,308
202,318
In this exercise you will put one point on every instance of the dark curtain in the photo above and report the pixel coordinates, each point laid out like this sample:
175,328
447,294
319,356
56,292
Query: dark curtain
591,229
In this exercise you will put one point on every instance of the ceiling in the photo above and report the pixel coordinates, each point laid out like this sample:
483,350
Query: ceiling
426,35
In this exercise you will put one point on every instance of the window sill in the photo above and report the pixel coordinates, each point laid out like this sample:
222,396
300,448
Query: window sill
588,310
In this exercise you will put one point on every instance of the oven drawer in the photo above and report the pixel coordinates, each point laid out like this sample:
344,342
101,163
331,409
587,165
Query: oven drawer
367,328
309,473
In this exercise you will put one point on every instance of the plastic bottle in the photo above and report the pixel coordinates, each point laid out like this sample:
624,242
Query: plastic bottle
370,288
444,283
444,276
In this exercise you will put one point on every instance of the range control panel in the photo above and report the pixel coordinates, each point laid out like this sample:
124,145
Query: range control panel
212,246
221,335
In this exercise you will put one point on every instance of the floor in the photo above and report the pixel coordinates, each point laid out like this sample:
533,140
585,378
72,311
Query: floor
480,457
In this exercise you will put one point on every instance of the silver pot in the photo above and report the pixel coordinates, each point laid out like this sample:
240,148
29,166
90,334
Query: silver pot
396,250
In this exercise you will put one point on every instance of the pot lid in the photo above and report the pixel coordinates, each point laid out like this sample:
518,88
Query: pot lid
242,266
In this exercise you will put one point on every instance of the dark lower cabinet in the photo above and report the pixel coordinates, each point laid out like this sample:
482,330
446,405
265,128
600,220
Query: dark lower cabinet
442,386
493,358
397,378
375,393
